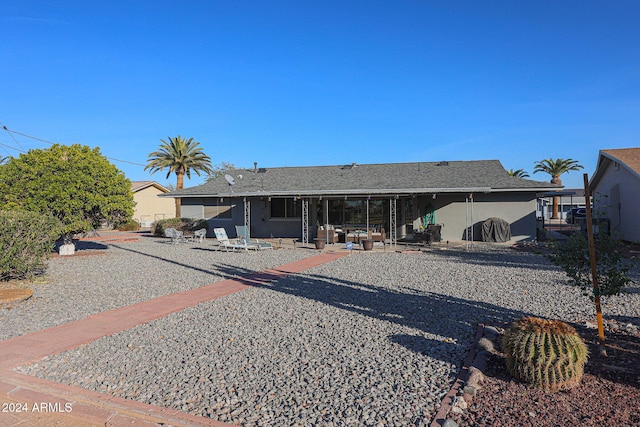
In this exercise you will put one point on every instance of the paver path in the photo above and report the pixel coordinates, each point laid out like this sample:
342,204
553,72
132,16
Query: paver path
30,401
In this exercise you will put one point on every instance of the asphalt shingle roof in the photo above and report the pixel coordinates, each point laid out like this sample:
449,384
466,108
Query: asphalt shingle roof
387,178
141,185
628,156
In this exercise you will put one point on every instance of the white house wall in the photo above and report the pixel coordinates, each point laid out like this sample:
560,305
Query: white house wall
626,220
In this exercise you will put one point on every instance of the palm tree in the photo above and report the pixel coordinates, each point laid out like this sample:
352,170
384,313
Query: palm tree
519,173
180,156
555,168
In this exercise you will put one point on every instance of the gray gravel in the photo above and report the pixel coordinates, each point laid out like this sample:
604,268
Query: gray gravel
369,339
122,274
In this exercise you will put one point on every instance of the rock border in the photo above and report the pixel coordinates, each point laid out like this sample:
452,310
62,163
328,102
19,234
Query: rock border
470,377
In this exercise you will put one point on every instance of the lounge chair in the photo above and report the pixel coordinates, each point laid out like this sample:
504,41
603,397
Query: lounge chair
226,243
243,235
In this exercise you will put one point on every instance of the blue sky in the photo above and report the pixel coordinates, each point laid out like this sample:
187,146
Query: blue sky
289,83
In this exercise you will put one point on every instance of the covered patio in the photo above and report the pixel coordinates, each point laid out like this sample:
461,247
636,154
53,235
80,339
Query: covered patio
385,202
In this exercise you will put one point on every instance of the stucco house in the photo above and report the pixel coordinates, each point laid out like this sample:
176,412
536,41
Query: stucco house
399,198
615,188
149,207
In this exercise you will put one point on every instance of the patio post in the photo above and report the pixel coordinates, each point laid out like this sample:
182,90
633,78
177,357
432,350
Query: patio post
247,214
326,220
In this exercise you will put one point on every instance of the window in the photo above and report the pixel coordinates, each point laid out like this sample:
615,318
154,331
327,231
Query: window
354,212
285,208
218,211
336,208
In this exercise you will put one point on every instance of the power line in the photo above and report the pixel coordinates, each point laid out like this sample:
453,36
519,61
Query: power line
13,148
11,132
12,137
126,161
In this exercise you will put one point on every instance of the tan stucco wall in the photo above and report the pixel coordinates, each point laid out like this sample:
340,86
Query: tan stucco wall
150,207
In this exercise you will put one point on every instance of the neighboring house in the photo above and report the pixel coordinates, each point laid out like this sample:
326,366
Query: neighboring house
149,207
615,189
399,197
568,199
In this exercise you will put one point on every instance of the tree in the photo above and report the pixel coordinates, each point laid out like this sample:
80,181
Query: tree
518,173
555,168
179,156
75,184
221,169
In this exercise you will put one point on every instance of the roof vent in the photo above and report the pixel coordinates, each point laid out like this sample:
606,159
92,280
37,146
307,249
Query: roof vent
351,166
262,170
443,164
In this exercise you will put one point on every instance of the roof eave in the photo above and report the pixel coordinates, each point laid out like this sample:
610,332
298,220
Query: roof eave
363,192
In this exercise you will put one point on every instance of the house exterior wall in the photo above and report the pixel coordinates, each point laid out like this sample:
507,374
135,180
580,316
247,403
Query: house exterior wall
205,208
456,215
519,209
149,207
617,197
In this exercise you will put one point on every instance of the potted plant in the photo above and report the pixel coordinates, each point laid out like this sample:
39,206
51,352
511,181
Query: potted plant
319,242
367,244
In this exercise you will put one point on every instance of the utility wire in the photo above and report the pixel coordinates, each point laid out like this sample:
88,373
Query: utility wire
13,148
12,137
11,132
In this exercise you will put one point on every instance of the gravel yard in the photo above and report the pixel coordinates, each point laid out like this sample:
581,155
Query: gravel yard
369,339
105,277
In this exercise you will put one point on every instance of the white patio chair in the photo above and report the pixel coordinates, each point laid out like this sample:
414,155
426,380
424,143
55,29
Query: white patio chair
243,235
225,243
200,235
176,236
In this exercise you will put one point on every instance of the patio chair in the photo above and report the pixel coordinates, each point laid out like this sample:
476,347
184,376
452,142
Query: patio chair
226,243
200,235
243,235
176,236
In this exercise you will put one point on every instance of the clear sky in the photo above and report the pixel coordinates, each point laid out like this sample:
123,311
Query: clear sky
292,83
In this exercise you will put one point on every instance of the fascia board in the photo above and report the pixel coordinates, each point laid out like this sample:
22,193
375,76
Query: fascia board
365,192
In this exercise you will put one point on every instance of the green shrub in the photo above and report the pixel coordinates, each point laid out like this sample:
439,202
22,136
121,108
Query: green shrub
131,225
26,241
612,267
547,354
182,224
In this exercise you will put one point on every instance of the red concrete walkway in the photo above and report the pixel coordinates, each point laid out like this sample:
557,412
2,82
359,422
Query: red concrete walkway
30,401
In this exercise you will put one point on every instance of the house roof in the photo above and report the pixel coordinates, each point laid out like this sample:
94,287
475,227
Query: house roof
141,185
368,179
628,158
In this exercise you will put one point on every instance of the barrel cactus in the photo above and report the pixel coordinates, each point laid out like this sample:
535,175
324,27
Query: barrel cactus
547,354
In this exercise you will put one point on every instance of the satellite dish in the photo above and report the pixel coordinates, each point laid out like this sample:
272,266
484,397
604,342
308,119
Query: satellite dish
230,180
